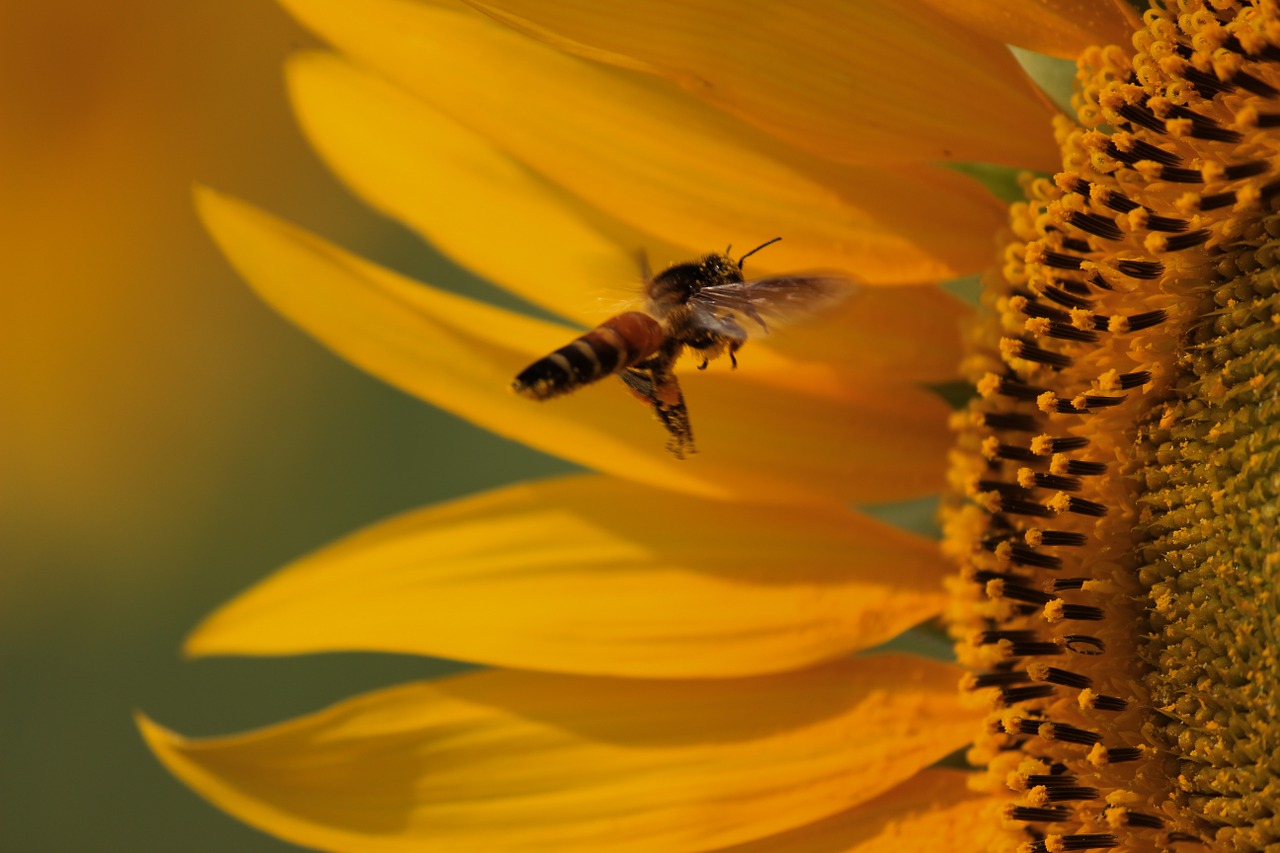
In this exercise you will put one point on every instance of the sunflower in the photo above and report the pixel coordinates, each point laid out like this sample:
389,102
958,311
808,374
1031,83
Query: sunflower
672,647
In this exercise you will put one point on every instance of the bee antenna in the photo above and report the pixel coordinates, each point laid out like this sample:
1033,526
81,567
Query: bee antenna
756,249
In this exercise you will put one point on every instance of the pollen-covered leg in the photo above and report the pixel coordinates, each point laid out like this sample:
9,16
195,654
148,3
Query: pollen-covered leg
1086,398
654,382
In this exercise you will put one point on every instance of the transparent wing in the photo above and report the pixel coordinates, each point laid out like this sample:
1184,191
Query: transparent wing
779,299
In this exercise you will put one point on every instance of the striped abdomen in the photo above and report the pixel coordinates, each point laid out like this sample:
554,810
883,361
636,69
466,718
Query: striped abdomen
615,344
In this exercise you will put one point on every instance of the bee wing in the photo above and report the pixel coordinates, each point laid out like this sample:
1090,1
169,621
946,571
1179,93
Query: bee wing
782,298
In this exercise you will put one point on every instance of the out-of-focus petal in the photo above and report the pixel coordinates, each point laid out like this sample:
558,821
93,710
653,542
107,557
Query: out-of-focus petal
1061,28
815,435
659,160
499,219
933,810
804,72
597,576
487,211
907,333
508,760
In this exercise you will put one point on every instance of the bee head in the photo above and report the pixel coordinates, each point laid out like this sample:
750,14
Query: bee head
677,284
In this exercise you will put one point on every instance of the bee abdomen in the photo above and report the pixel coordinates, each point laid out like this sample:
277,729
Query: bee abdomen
615,344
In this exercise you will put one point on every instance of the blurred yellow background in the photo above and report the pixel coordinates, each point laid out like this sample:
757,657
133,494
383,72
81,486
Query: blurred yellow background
167,440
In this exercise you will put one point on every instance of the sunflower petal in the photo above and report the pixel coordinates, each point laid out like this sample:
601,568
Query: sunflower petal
501,220
933,810
1062,28
878,81
658,160
628,581
828,437
911,333
475,203
508,760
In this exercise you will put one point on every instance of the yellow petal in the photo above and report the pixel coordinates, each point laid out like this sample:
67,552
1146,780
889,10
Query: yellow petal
1062,28
660,161
911,333
596,576
511,761
877,81
496,217
933,810
473,202
813,436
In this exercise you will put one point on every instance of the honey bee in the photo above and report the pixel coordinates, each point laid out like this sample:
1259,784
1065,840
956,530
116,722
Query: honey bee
696,305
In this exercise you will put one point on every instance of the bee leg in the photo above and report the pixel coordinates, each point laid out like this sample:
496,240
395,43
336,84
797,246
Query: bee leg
654,383
704,364
674,415
737,336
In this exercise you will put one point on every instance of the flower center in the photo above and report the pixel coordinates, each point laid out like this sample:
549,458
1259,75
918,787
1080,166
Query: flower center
1118,478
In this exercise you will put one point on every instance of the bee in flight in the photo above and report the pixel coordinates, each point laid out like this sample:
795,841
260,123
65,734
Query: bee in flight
699,305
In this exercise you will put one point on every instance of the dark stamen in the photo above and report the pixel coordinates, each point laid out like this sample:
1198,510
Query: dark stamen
1054,814
1080,506
1063,537
1146,320
1010,421
1031,352
1083,644
1141,269
1067,678
1017,695
1134,380
1094,224
1082,613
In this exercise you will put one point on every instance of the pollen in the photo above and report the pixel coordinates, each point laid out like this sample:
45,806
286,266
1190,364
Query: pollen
1119,596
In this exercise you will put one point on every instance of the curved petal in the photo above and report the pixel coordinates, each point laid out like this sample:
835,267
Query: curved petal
811,436
933,810
506,760
482,208
596,576
877,81
496,217
658,160
1062,28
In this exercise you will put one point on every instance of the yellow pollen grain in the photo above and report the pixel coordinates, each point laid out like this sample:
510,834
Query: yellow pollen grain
1036,326
989,385
1082,319
1060,502
1054,611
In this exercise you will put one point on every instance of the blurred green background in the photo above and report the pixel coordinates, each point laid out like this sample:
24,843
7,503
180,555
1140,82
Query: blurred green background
167,440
